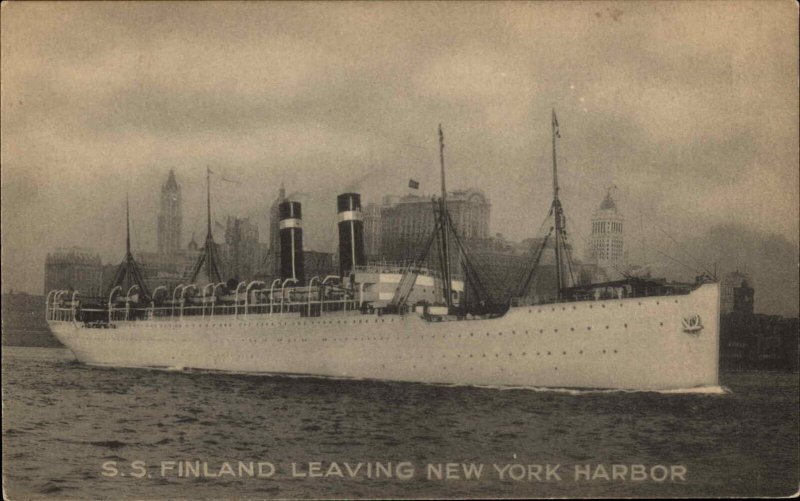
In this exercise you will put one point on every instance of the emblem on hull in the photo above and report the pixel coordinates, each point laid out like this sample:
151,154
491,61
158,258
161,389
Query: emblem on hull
692,324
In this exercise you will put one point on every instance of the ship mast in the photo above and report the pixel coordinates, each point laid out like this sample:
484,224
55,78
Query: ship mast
209,250
208,201
557,212
128,273
446,276
127,227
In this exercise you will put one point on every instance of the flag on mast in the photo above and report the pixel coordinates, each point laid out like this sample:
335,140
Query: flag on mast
555,125
223,177
414,185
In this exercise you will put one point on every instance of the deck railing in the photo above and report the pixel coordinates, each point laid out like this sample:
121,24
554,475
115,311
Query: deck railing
306,301
607,293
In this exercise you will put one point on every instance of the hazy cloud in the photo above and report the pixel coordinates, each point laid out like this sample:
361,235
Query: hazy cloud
690,108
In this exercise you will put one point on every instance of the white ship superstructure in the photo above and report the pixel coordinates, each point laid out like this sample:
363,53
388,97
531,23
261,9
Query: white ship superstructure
406,323
632,343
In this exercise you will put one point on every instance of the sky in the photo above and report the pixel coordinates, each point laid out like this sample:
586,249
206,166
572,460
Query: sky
690,109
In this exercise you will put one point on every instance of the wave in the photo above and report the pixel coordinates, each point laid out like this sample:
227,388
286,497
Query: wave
111,444
698,390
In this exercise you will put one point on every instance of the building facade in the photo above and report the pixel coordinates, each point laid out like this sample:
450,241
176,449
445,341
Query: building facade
407,222
318,264
728,287
242,253
606,241
169,270
170,217
372,231
75,269
758,342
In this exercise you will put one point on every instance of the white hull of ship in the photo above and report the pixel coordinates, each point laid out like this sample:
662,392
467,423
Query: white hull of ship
636,343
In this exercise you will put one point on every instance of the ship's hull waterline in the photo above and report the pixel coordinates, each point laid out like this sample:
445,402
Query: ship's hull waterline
636,343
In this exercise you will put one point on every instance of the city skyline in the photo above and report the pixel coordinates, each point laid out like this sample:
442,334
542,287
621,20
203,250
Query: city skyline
102,99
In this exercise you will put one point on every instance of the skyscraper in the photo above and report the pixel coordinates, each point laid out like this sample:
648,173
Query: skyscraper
728,290
405,224
170,218
243,254
606,248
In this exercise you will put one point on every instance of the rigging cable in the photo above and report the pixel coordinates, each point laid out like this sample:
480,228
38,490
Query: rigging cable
702,267
523,291
534,253
690,268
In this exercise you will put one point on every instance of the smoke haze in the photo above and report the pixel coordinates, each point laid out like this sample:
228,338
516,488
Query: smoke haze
690,108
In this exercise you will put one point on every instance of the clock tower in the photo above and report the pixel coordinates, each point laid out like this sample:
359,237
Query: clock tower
170,218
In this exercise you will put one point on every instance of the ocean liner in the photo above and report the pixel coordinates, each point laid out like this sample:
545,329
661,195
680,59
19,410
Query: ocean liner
415,322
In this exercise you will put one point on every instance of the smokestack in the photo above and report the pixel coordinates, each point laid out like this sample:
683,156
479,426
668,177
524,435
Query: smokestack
351,232
291,233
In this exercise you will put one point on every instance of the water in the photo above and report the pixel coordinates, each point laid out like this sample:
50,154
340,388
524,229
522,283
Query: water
63,420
